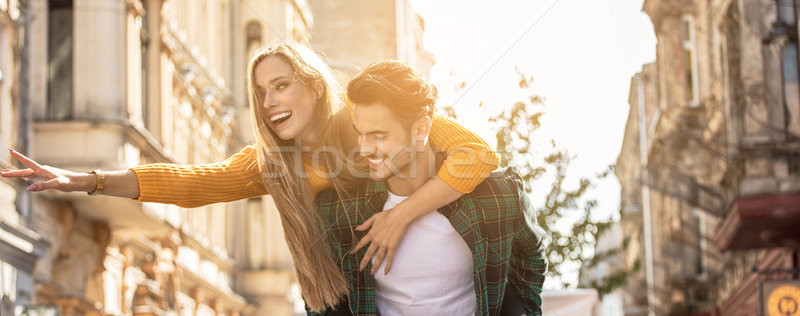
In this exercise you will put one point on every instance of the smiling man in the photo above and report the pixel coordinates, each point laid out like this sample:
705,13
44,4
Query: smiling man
480,255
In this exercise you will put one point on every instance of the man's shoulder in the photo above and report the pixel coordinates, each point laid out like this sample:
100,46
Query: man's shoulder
501,182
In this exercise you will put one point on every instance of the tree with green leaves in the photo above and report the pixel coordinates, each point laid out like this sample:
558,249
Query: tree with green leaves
516,129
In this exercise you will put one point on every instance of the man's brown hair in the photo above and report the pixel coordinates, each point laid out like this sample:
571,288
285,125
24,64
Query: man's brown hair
396,85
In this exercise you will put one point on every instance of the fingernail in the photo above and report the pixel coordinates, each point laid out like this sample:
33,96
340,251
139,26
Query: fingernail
32,187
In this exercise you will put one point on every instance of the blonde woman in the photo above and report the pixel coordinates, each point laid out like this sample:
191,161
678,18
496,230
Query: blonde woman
300,121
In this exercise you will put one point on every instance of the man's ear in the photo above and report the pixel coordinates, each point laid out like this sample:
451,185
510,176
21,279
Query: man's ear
422,128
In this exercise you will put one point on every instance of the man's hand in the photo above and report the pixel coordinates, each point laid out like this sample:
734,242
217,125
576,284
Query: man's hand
383,238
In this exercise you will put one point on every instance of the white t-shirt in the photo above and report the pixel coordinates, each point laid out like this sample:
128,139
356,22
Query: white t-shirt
431,273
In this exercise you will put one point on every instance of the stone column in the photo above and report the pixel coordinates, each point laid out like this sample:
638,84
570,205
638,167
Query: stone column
153,99
100,61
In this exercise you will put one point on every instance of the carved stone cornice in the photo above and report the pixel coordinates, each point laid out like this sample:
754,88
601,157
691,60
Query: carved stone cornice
135,6
148,300
48,293
659,10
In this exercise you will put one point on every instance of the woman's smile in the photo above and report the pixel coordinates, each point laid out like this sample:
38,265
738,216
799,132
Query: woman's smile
281,119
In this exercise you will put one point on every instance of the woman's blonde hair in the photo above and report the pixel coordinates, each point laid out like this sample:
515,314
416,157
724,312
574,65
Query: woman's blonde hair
322,282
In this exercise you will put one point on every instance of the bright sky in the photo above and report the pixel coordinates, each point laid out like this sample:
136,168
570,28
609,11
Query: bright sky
582,54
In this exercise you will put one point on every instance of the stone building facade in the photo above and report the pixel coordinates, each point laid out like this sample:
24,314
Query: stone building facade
709,163
116,83
353,34
20,247
108,84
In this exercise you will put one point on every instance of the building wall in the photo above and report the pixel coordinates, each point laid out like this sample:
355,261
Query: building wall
720,91
629,171
150,81
8,110
20,247
116,83
353,34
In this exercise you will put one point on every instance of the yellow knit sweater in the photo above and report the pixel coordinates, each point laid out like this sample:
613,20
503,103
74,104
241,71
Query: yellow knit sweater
469,161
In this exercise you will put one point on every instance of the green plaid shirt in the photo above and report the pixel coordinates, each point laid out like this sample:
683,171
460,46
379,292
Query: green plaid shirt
496,221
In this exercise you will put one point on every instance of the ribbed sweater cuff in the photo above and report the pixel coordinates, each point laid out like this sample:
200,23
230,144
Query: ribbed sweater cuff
465,173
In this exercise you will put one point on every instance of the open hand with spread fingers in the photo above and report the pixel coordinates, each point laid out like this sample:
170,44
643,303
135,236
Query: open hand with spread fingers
54,178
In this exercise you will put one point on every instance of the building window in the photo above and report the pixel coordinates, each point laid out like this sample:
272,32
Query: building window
254,38
787,24
786,11
5,124
700,242
256,218
144,37
135,36
60,60
691,85
791,91
731,52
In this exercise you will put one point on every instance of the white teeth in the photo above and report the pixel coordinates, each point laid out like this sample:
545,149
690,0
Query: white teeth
279,116
375,161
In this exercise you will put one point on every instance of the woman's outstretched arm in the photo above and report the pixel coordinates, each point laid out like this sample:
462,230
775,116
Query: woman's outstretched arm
121,183
235,178
184,185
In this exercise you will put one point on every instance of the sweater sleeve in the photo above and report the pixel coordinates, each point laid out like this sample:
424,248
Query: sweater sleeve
469,158
233,179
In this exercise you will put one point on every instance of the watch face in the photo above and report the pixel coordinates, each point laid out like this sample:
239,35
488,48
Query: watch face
784,301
